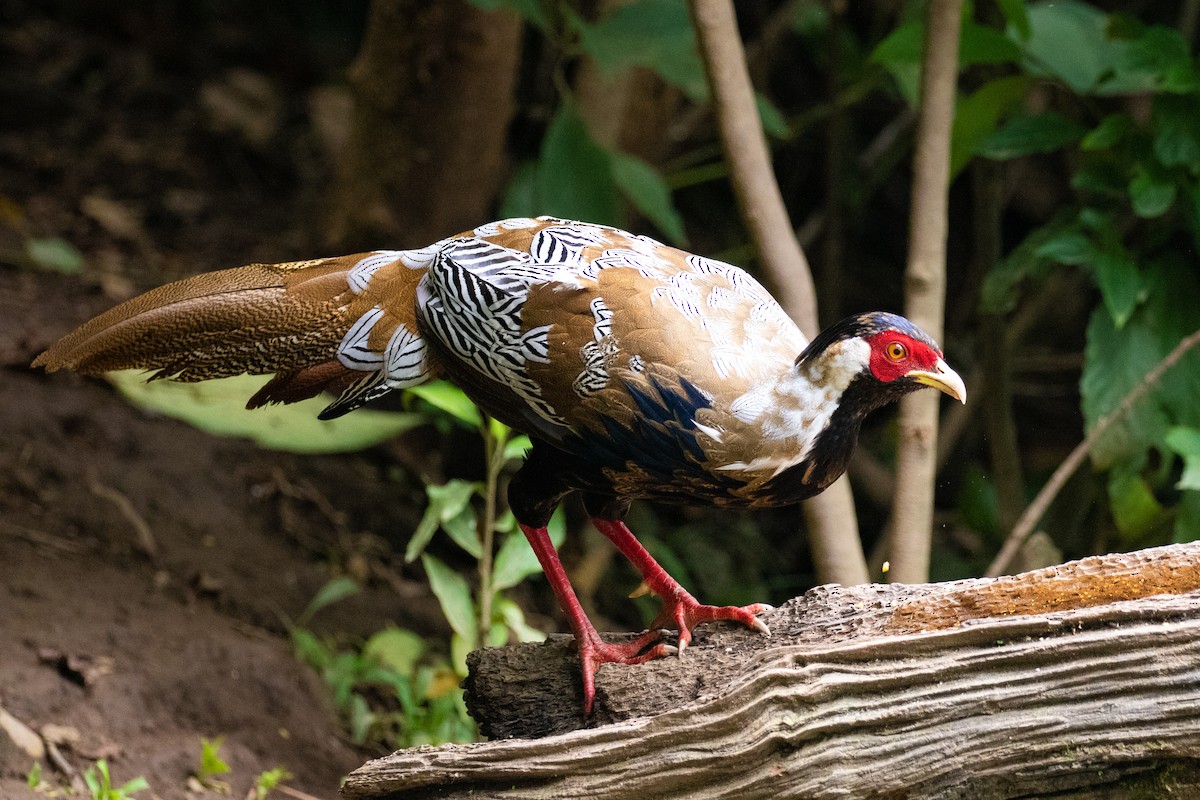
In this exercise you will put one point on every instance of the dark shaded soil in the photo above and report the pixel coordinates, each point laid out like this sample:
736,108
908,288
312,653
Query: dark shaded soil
192,617
160,140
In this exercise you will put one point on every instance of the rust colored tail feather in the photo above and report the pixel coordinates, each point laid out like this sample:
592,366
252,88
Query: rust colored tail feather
286,319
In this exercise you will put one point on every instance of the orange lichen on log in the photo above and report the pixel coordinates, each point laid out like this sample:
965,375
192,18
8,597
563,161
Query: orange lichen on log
1092,581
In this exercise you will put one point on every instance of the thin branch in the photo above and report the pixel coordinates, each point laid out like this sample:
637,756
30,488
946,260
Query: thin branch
750,169
1034,512
832,523
925,289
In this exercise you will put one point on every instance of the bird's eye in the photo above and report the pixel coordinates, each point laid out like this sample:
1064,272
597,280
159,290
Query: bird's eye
896,351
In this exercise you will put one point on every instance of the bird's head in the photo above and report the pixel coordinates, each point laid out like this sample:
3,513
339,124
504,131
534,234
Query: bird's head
884,355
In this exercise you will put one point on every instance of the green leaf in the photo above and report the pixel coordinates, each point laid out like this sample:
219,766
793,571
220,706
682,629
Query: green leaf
211,763
514,619
1119,280
978,114
462,529
1040,133
1186,442
460,647
334,590
445,502
219,407
1016,16
396,649
651,33
772,118
1068,247
1176,138
54,254
454,596
516,447
574,178
1000,287
1151,194
1115,361
1157,55
648,192
447,397
1111,130
1135,509
1069,40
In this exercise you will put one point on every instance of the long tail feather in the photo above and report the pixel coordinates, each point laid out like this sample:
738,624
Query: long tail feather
284,319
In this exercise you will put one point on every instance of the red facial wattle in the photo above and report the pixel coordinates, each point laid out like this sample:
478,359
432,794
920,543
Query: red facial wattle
889,362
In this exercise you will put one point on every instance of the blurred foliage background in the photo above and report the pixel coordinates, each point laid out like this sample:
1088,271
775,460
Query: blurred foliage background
328,127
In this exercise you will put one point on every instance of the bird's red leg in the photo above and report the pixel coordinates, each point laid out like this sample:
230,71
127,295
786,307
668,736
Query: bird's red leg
593,651
680,609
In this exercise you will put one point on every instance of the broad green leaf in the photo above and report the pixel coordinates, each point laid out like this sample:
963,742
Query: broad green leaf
460,648
1157,56
1176,137
977,44
514,619
462,529
978,114
219,407
1040,133
1068,247
652,33
648,192
1069,40
1115,361
1186,442
1101,177
1151,194
445,503
1119,280
55,254
574,176
1017,17
516,447
396,649
772,119
1111,130
1000,287
1135,509
447,397
454,595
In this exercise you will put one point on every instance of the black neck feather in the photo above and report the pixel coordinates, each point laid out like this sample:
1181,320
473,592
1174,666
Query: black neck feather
830,453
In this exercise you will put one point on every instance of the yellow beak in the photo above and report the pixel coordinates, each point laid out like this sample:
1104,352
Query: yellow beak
942,378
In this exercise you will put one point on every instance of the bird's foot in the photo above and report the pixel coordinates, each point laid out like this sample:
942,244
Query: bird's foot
683,612
594,651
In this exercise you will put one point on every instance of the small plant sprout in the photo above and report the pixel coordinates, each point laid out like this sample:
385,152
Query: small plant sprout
99,784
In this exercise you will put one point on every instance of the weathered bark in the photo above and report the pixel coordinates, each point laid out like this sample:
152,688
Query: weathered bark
433,91
1081,680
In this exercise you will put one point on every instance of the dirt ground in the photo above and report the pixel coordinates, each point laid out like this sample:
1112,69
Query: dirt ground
147,569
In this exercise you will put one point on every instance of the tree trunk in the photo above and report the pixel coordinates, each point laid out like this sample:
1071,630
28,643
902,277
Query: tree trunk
433,96
1079,681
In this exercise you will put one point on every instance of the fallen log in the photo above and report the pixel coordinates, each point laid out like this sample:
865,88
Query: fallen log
1074,681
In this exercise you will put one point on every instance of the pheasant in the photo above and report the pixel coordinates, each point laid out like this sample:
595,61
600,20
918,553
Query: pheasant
639,371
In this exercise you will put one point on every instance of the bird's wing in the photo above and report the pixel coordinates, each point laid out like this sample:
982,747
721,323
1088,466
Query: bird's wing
559,326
